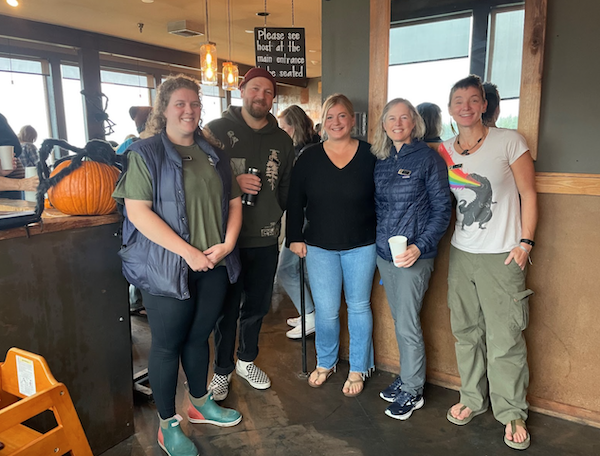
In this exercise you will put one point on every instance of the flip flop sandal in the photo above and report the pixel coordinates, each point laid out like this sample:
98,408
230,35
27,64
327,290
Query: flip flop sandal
518,445
467,420
320,373
351,382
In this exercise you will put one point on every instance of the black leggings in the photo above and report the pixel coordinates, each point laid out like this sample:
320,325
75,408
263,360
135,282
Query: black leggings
180,329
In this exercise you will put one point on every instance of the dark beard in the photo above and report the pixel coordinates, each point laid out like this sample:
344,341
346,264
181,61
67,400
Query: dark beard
259,112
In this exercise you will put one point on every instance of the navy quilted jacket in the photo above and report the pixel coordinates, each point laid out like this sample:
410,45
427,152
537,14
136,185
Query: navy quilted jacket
412,198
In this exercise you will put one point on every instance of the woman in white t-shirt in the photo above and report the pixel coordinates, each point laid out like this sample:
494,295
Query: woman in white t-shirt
492,176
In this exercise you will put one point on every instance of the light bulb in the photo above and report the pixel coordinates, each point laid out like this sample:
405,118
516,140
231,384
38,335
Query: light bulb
13,3
208,58
209,73
230,78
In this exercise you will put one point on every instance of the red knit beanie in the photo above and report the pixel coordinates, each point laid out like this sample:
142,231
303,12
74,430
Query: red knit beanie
259,73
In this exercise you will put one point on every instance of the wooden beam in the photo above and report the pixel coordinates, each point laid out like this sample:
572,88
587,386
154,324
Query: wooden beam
568,183
379,48
532,70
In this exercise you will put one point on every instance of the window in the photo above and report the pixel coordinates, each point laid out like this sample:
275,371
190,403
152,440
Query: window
73,101
236,98
505,52
428,57
23,95
122,91
211,104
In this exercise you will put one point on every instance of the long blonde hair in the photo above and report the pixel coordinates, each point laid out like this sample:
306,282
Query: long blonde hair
382,143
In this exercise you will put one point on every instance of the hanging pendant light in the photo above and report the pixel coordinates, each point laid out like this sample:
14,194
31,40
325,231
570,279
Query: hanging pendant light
230,69
208,56
230,76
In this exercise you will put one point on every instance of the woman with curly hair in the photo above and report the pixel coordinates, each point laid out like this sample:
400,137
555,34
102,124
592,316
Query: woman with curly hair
183,214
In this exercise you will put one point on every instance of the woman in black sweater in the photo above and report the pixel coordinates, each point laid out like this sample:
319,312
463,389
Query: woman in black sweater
333,181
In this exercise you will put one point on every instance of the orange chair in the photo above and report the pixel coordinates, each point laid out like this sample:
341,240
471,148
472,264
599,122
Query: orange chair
27,388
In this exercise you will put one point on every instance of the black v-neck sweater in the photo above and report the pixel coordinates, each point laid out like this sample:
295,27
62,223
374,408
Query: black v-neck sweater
339,203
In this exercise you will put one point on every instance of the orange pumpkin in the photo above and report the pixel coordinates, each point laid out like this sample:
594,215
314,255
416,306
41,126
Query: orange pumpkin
86,191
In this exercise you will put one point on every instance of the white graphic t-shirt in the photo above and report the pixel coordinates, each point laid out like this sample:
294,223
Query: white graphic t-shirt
488,211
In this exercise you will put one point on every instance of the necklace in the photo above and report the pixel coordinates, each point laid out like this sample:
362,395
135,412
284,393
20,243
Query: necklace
466,151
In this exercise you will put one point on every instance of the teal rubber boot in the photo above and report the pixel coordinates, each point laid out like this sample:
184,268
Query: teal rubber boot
205,410
172,439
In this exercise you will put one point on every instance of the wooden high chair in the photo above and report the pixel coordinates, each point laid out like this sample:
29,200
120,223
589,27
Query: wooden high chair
27,388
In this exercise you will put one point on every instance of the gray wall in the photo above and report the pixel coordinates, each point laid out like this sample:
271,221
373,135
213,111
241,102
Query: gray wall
345,53
571,89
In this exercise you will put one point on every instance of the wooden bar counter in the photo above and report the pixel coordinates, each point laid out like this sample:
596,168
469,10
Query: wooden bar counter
63,296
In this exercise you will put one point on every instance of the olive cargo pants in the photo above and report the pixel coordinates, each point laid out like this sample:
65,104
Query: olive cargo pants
489,310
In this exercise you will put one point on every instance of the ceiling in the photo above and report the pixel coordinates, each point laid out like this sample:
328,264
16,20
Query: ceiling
120,18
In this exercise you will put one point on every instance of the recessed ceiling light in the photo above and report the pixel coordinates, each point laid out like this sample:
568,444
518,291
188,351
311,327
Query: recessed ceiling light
148,1
311,50
13,3
249,31
262,13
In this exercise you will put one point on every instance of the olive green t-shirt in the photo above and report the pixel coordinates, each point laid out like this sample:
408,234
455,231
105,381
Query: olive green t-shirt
202,187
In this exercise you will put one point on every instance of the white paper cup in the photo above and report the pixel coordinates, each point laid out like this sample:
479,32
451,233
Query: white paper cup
6,157
397,246
30,171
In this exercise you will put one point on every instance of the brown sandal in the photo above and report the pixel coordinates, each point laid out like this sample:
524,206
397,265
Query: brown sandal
320,373
513,429
348,385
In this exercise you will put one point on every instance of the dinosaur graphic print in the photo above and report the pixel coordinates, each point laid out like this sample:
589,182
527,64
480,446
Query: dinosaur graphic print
479,210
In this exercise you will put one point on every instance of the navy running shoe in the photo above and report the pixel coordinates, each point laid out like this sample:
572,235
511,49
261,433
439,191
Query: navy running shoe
390,393
403,405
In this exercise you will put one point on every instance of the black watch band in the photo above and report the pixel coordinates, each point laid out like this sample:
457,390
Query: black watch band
528,241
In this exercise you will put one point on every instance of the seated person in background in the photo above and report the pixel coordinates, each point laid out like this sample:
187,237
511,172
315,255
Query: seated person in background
139,114
29,155
432,116
9,184
13,183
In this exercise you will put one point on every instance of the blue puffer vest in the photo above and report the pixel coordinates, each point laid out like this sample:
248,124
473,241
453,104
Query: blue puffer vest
147,265
412,198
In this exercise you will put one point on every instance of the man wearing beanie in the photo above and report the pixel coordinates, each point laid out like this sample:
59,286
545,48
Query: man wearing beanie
252,139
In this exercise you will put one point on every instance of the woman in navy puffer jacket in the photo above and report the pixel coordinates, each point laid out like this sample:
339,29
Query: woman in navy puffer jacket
412,199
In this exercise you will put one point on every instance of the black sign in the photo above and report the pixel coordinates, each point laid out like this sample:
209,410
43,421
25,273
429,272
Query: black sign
281,51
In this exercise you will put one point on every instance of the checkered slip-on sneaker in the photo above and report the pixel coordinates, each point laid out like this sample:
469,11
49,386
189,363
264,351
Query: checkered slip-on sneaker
253,375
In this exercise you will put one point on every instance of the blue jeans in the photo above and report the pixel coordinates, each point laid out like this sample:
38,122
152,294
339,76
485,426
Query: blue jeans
405,289
353,268
288,276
